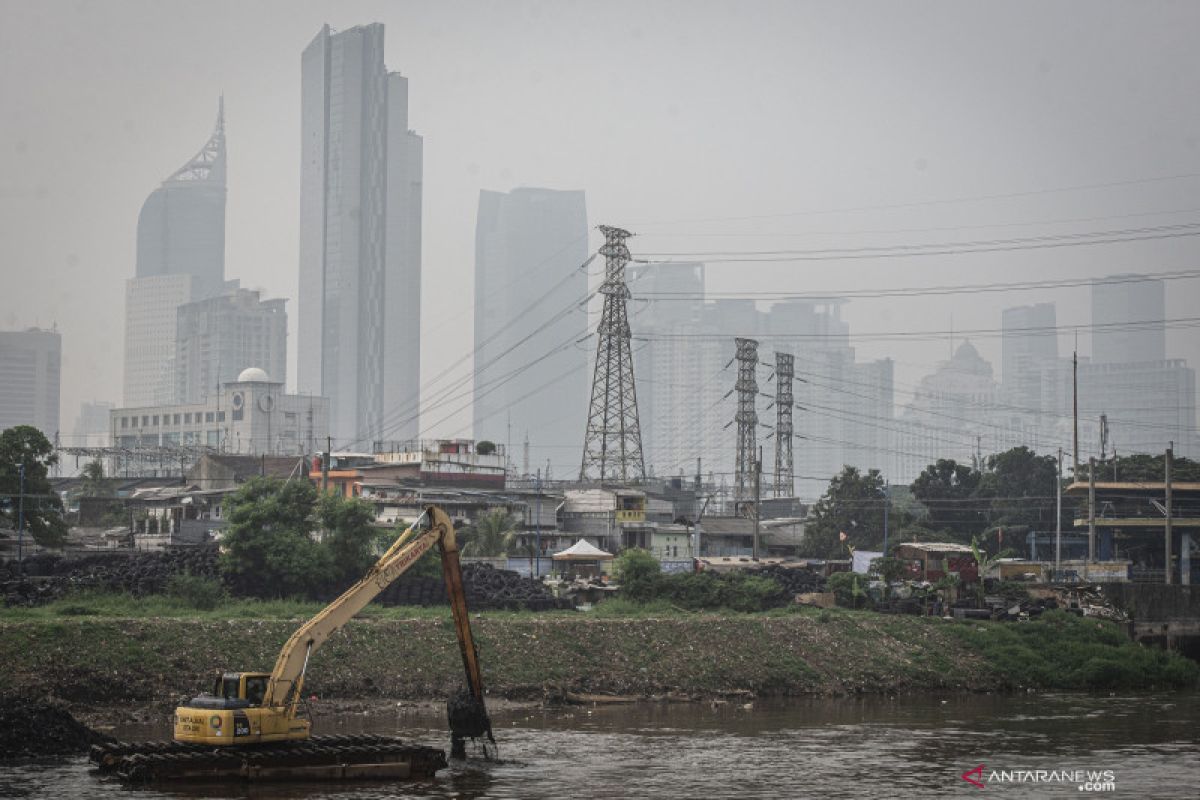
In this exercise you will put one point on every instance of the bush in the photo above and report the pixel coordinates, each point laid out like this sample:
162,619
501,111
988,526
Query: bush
752,593
849,590
196,591
639,574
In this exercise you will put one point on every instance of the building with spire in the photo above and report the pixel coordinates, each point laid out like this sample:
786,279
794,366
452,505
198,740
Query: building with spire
180,258
360,239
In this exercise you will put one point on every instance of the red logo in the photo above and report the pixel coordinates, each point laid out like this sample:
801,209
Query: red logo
978,772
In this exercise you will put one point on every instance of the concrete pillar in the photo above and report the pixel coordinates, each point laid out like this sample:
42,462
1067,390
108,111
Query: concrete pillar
1185,558
1167,532
1091,559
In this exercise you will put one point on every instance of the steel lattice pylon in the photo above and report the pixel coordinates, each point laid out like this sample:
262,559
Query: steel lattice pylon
747,419
785,485
612,446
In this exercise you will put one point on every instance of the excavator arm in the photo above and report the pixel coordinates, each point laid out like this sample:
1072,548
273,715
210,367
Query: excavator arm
432,527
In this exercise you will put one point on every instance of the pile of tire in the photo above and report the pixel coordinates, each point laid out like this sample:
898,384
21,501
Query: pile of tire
43,578
485,586
793,580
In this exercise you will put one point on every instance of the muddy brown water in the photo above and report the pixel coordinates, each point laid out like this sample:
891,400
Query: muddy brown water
820,748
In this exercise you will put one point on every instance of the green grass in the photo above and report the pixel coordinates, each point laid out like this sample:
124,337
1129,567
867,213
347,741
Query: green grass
1063,651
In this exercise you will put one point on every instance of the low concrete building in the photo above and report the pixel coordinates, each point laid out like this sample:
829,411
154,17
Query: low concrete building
252,415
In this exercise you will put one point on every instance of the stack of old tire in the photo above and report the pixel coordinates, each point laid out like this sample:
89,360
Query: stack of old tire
43,578
485,586
793,580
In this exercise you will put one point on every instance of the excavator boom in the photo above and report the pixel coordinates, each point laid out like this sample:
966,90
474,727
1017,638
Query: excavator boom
238,716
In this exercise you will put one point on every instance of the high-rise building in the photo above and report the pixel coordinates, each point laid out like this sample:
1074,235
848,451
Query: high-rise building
1029,343
151,305
219,337
668,368
1128,320
180,258
360,221
530,358
30,371
91,426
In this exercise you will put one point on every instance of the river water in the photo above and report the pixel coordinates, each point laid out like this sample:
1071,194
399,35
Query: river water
820,748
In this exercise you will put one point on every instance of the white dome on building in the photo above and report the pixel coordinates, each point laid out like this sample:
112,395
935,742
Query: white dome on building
253,375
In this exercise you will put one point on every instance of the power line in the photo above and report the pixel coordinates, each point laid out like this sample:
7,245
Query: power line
942,201
908,251
924,291
1042,330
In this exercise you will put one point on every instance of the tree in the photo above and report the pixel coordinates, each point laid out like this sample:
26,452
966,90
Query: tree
490,535
1020,488
853,505
25,446
93,482
485,448
638,573
269,549
1142,467
949,490
350,535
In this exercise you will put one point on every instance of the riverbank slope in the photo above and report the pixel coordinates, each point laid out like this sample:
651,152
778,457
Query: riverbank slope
96,660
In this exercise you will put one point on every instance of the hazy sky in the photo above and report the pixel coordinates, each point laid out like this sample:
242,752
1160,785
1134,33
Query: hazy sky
679,120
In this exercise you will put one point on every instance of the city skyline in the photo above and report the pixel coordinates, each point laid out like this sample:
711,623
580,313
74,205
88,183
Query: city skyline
911,187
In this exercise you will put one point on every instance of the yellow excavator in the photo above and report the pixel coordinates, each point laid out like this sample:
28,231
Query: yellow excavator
255,713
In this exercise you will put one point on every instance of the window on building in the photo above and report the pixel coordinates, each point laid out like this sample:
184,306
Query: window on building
187,419
175,420
124,422
220,416
146,421
208,416
155,423
214,438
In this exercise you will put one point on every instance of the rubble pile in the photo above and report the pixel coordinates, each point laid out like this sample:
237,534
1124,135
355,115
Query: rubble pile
44,578
486,588
30,728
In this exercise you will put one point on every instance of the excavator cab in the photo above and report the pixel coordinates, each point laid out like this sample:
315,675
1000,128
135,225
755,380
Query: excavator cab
242,689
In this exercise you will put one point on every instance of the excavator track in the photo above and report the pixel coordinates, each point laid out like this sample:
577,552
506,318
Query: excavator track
333,757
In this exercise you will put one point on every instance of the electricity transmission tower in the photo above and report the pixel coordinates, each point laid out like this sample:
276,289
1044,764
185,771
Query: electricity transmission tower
784,370
747,419
612,445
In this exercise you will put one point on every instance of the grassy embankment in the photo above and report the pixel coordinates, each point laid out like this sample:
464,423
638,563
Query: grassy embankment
98,649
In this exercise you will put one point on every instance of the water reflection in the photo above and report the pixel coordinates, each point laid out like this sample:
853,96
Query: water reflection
834,748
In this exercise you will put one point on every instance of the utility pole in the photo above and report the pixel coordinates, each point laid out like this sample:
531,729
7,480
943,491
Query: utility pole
20,516
757,499
887,502
1075,412
612,443
537,522
325,464
1058,519
1167,528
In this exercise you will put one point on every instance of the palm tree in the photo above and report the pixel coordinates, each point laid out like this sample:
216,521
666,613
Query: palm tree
492,533
93,482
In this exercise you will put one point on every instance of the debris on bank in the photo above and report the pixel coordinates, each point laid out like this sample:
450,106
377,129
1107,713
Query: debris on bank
31,728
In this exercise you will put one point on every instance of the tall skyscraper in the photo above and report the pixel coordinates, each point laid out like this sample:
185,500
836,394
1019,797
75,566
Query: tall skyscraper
1115,305
30,371
530,365
180,258
360,222
670,370
1029,342
219,337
